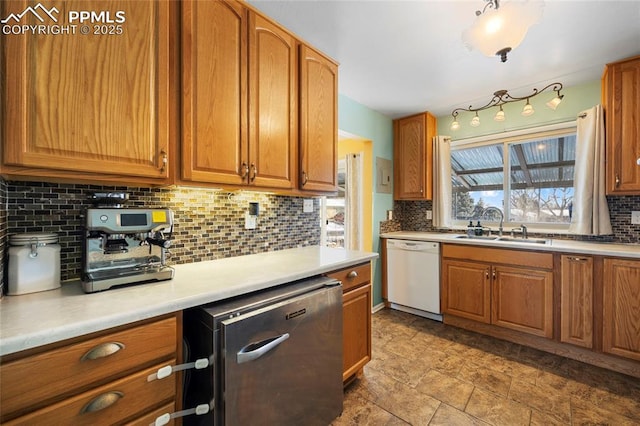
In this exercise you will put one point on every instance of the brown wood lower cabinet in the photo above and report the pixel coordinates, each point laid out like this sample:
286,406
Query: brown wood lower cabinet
591,314
467,289
576,300
621,305
95,379
356,317
500,287
522,299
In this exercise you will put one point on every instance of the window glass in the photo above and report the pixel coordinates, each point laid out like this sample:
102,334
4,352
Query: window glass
538,188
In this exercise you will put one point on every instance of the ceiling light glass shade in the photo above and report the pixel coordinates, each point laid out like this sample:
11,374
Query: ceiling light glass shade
528,109
497,31
553,103
475,121
455,125
499,115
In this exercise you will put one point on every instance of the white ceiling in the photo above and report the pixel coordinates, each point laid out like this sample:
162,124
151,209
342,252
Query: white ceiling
404,57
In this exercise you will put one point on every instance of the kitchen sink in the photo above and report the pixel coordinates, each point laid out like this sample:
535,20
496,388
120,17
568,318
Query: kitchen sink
523,240
504,239
477,237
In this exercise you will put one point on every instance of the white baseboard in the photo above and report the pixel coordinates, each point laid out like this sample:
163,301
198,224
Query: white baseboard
378,307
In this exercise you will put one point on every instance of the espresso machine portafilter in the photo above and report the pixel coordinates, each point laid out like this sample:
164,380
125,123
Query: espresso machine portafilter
125,246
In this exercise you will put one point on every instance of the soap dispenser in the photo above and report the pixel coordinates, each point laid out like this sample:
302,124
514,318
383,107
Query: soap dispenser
478,229
470,229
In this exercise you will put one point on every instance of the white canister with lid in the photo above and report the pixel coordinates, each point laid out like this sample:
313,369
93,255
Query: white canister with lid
34,263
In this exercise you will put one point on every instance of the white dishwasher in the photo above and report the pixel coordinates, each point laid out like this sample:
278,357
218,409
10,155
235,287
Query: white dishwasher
413,277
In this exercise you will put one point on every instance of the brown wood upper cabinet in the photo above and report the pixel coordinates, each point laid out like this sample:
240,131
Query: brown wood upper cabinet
318,121
89,105
239,88
621,99
413,156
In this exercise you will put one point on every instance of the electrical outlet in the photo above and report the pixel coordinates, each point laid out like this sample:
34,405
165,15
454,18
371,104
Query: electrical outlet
635,218
307,205
250,221
429,214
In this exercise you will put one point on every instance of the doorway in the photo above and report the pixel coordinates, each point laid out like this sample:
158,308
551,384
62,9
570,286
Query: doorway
347,216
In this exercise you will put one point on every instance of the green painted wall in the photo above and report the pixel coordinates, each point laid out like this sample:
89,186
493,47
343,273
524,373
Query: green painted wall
361,121
576,99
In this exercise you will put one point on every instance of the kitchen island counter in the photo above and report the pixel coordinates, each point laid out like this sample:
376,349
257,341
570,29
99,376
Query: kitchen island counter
37,319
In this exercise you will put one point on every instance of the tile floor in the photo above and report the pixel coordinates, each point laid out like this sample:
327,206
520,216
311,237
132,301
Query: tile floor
427,373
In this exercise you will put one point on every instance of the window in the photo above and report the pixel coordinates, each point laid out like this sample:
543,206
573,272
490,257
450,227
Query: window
532,184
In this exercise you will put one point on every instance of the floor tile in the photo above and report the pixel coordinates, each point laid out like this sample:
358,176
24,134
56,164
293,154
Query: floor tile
552,404
424,372
447,389
497,410
446,415
487,379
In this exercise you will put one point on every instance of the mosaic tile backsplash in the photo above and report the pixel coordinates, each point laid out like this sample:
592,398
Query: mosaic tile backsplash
412,217
209,224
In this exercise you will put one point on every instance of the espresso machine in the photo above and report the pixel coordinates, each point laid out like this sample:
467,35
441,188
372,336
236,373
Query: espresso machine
125,245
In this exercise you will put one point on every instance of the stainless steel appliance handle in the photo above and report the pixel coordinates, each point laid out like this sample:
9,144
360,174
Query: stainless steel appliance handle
255,350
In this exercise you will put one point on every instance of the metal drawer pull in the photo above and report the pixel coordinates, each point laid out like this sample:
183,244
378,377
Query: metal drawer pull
101,402
255,350
578,259
102,350
352,274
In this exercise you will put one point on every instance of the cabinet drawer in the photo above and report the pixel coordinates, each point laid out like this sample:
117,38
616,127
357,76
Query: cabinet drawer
353,276
108,404
524,258
36,380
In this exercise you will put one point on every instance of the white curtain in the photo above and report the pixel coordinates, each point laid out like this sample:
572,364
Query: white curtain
590,209
442,182
353,202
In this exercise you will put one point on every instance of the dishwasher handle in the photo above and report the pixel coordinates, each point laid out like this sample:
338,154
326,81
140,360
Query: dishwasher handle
412,246
254,351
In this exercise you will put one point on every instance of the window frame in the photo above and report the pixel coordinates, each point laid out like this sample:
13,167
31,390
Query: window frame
506,140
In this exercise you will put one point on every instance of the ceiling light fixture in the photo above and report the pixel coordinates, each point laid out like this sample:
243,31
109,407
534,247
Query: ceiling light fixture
502,97
500,29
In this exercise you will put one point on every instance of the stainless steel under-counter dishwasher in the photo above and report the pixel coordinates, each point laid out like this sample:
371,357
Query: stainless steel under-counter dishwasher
275,357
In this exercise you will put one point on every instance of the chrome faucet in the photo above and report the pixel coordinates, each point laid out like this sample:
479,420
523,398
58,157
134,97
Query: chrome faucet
522,228
495,209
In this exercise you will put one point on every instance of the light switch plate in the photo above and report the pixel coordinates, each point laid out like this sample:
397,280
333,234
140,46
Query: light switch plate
635,218
429,214
307,205
250,221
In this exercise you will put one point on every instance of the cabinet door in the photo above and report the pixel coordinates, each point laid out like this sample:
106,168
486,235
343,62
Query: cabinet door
356,334
466,290
413,155
318,121
273,94
522,300
214,92
621,303
90,103
623,127
576,301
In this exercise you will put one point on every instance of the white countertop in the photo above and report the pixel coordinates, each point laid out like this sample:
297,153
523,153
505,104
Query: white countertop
554,245
32,320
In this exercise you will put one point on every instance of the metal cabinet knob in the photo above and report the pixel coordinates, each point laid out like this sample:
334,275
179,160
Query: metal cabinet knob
638,161
352,274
